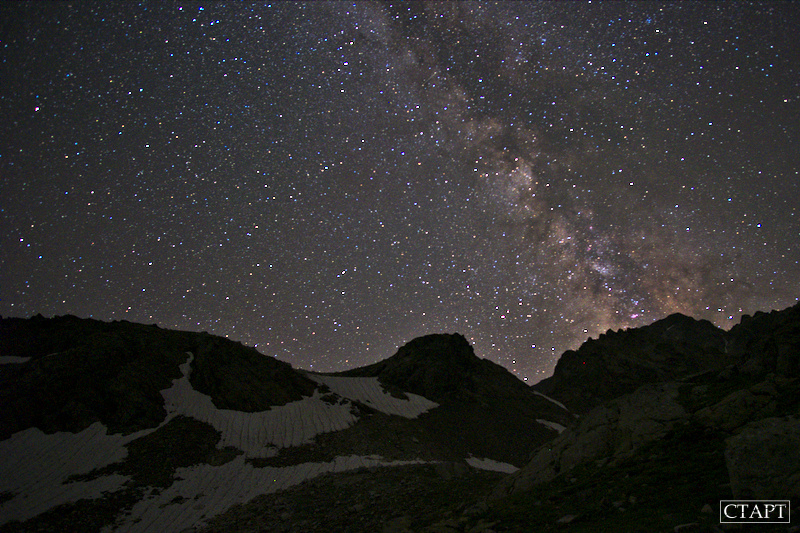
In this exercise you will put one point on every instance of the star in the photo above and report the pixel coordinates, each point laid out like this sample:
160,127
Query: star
327,181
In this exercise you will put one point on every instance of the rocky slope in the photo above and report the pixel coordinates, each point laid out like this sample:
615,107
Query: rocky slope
703,415
676,347
731,422
483,409
128,427
75,372
618,362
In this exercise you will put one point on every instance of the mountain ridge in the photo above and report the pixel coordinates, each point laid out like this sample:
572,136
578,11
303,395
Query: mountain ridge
129,426
675,347
135,394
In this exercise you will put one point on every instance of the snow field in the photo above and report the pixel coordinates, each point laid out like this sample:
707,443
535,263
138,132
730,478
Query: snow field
561,405
258,434
13,359
203,491
35,467
552,425
491,464
370,392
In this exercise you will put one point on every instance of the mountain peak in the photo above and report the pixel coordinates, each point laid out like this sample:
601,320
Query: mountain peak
618,362
483,408
433,366
439,349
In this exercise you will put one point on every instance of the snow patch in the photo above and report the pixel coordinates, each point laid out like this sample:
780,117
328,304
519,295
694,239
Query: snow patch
34,467
551,425
491,464
203,491
13,359
258,434
369,391
561,405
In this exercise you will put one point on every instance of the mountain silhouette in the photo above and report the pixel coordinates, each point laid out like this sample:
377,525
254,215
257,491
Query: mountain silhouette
618,362
130,427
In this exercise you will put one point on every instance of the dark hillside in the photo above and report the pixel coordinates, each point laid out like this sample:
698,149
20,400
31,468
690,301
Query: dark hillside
618,362
484,409
83,371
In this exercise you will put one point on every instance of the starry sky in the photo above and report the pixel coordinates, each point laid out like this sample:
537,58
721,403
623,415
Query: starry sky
327,181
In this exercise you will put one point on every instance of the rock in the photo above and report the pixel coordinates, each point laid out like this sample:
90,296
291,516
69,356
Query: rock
646,415
482,527
729,372
675,347
566,519
707,509
693,526
767,342
752,367
763,460
435,366
484,410
397,525
617,363
447,526
614,430
448,470
477,509
240,378
730,527
740,407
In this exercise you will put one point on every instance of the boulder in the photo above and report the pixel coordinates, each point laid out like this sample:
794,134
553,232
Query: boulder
614,430
763,459
740,407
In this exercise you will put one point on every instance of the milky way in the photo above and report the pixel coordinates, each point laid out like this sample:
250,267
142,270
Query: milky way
327,181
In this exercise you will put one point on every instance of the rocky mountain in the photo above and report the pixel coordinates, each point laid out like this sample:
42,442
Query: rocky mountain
128,427
704,413
483,409
618,362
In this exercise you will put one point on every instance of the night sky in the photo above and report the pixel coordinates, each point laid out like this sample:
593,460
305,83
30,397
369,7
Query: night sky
327,181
